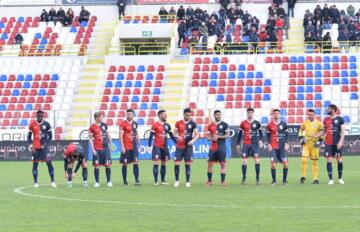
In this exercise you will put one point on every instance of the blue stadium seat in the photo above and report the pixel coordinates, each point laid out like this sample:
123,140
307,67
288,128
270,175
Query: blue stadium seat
213,83
344,73
250,75
135,99
300,97
2,107
326,104
154,106
43,42
29,107
3,77
248,97
335,59
300,89
283,112
318,66
2,25
245,39
141,68
344,81
223,67
220,98
37,35
143,106
42,92
184,51
318,96
241,75
120,77
241,67
318,74
326,66
15,92
108,84
309,104
20,77
309,67
156,91
149,76
138,84
54,77
215,60
326,59
26,85
199,128
213,76
352,58
301,59
352,66
231,75
115,99
267,82
248,90
83,24
353,73
317,112
309,82
293,59
309,89
4,36
346,119
335,81
141,121
264,120
318,82
266,97
24,122
258,90
73,30
354,96
118,84
259,75
128,84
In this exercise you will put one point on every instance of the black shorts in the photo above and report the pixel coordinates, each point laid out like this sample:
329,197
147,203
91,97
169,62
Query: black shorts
41,155
129,156
185,154
102,158
160,154
69,160
332,151
278,156
250,150
218,155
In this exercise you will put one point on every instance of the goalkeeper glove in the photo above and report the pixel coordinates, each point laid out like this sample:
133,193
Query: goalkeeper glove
302,140
318,143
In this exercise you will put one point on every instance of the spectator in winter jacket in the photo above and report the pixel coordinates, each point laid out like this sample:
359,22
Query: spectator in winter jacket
181,32
180,13
291,6
325,14
189,12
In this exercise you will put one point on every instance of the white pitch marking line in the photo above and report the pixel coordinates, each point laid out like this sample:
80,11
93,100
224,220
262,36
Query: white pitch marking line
20,191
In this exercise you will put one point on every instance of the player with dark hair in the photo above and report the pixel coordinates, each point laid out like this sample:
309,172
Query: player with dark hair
251,129
39,137
73,152
160,151
100,142
186,133
217,133
129,142
310,140
277,135
334,130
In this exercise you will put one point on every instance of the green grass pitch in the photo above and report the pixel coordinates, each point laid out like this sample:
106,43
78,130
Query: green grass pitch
278,208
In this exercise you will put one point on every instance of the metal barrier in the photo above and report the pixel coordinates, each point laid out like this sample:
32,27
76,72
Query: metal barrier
143,48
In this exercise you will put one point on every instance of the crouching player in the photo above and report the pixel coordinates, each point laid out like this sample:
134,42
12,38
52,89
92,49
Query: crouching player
218,132
75,152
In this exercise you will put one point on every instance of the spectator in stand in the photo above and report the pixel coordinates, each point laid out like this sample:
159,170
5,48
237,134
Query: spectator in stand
318,40
198,13
172,12
189,12
203,29
163,13
318,28
334,14
327,46
342,26
270,24
278,2
254,39
279,23
238,3
342,38
325,14
350,10
280,11
232,16
214,16
69,17
352,38
212,28
121,4
310,28
44,17
52,15
84,15
19,39
263,35
357,16
180,14
291,6
307,17
60,16
272,39
181,32
286,26
317,13
309,38
224,3
272,9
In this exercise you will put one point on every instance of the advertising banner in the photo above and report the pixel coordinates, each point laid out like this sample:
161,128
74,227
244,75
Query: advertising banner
171,1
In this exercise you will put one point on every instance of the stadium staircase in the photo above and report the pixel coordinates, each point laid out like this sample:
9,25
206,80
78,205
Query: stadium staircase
295,43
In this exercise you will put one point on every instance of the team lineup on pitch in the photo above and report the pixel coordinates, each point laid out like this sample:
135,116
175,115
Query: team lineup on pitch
250,137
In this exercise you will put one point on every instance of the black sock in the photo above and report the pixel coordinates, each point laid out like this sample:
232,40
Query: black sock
257,170
223,175
96,174
187,172
329,170
108,174
35,171
163,173
244,168
177,172
51,170
156,172
136,172
340,169
85,174
273,174
209,174
285,172
69,173
124,173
